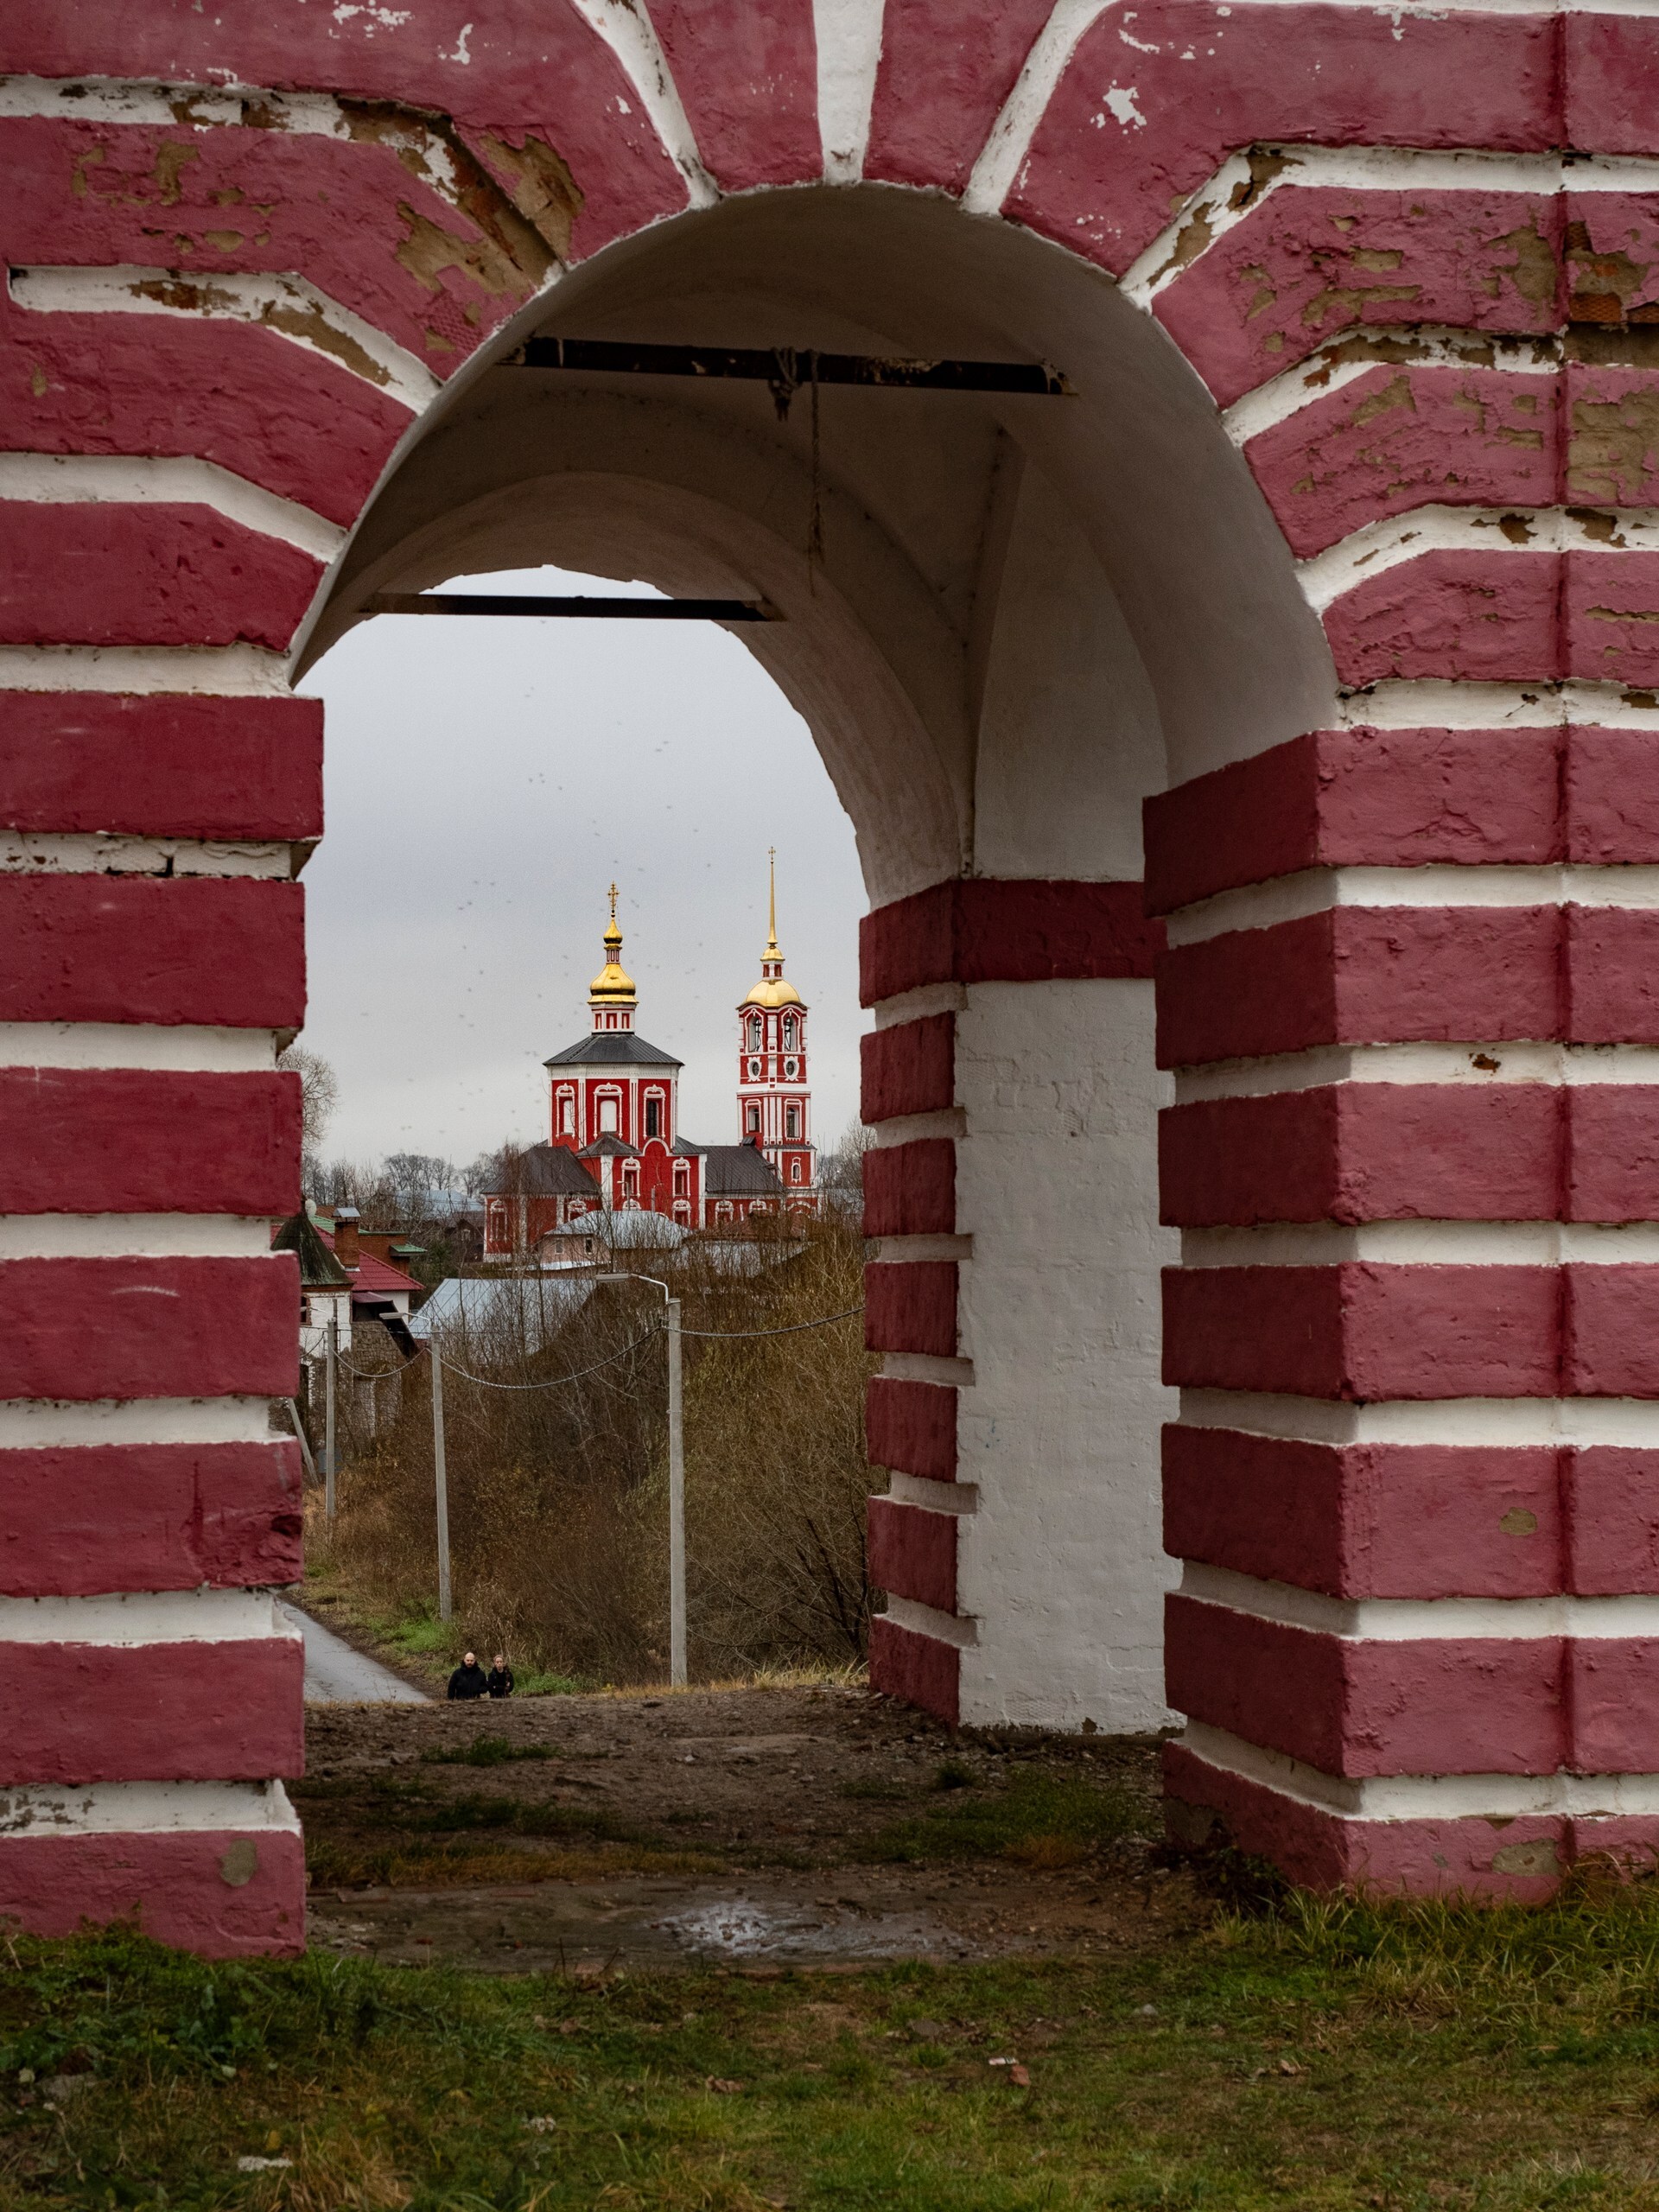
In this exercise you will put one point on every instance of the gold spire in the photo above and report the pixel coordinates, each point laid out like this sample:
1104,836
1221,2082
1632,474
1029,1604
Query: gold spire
613,986
772,990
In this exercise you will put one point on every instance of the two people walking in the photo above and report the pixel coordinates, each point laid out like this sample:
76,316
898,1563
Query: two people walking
469,1679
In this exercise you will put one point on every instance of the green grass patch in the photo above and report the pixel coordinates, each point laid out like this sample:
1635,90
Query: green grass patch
548,1684
1333,2057
422,1634
1040,1820
488,1751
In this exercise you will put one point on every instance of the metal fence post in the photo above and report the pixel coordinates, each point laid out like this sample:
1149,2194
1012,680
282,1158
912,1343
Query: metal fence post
329,1458
676,1505
442,1481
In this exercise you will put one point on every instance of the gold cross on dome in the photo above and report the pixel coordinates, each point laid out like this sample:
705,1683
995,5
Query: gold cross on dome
612,905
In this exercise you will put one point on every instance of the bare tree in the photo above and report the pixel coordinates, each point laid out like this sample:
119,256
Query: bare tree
319,1095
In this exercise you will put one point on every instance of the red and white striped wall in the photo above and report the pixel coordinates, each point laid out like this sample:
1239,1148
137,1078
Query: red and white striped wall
1390,279
1013,1198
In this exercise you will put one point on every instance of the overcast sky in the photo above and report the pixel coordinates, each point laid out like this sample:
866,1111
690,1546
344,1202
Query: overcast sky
486,781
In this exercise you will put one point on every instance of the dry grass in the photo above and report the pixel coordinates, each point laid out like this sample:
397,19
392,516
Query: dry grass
558,1497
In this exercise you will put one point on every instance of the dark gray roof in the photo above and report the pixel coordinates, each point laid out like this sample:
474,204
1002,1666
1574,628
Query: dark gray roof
607,1147
551,1170
738,1170
319,1269
613,1048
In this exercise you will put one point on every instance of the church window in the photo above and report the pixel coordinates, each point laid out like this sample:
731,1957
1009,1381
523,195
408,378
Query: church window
794,1171
567,1115
792,1121
789,1033
754,1070
755,1034
630,1179
653,1116
723,1210
791,1070
607,1108
682,1213
682,1182
752,1119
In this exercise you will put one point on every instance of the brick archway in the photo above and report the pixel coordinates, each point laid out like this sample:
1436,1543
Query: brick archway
1403,861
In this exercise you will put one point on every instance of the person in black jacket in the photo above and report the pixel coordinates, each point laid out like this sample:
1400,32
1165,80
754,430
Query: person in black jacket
469,1679
500,1676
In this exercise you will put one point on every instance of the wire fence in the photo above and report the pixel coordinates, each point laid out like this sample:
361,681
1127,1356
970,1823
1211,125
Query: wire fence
558,1382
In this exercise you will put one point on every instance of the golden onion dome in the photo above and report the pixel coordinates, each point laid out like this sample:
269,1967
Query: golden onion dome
613,986
772,992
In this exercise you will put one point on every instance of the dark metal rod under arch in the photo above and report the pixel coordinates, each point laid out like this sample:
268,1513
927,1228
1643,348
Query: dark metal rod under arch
609,610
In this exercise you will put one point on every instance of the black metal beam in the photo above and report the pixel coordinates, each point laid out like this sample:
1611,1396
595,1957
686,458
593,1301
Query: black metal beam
607,610
789,368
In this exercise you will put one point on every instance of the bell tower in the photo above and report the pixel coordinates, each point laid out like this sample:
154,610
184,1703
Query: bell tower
774,1098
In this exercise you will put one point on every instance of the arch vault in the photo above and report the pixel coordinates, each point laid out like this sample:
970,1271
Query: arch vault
1252,761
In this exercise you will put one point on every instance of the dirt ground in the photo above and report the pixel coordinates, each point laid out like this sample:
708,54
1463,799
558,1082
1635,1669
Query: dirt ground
755,1826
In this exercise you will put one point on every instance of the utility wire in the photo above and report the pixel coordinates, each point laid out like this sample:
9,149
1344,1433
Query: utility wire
790,1329
556,1381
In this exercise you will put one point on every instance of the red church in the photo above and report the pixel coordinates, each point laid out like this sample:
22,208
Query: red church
614,1143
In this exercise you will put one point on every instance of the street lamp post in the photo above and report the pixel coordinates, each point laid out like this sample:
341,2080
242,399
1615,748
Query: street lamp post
676,1483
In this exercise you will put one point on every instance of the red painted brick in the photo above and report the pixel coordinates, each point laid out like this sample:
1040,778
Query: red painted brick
100,948
1365,1152
149,1516
1438,1706
356,220
1612,451
1612,1169
1608,63
574,100
1203,86
921,1669
1612,1521
1611,612
1487,617
146,1141
985,929
1314,261
1359,1332
1520,1859
1386,798
162,764
1613,1684
914,1553
274,413
909,1069
1611,961
230,1712
942,78
910,1190
1612,257
1406,436
90,574
912,1306
1612,798
150,1328
194,1890
748,77
1611,1332
1360,974
1367,1520
911,1427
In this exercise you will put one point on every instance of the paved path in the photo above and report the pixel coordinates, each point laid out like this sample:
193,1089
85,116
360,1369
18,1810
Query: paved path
336,1674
